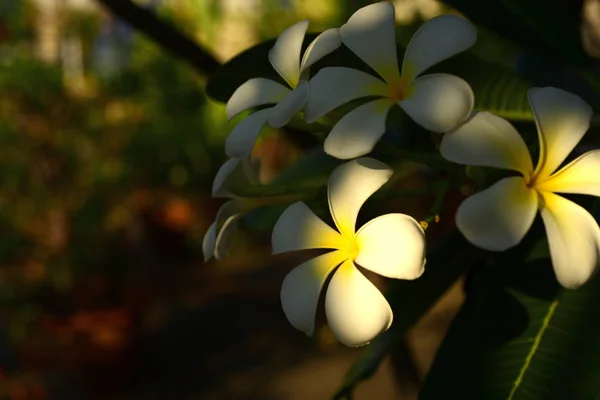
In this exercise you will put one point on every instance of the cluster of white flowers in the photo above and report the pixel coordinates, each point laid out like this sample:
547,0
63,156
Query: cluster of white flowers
393,245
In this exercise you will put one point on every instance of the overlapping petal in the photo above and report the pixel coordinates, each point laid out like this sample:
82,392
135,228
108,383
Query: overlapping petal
581,176
235,171
334,86
226,235
370,34
298,228
489,141
358,131
573,238
209,241
289,106
439,102
498,217
392,245
285,54
436,40
562,119
301,288
242,137
350,185
356,310
323,44
254,92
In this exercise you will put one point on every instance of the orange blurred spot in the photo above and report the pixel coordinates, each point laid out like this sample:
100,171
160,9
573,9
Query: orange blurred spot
17,391
178,214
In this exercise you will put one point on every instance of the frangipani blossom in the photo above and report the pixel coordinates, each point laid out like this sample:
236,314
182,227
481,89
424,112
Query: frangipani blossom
498,217
285,59
392,245
437,102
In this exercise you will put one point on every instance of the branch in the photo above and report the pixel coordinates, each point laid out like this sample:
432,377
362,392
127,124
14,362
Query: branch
164,34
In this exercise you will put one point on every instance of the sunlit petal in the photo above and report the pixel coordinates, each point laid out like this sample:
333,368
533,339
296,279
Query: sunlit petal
489,141
208,242
370,34
324,44
285,54
350,185
581,176
289,106
498,217
562,119
436,40
333,86
234,172
573,238
254,92
298,228
358,131
392,245
356,310
301,288
439,102
242,138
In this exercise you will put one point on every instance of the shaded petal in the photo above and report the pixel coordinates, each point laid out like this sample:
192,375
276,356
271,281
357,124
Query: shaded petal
356,310
333,86
234,172
298,228
371,34
301,288
242,137
289,106
392,245
358,131
254,92
439,102
498,217
489,141
285,54
208,242
562,119
226,235
323,44
573,238
580,176
436,40
350,185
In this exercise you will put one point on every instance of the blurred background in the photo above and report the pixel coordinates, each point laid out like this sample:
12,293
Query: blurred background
108,148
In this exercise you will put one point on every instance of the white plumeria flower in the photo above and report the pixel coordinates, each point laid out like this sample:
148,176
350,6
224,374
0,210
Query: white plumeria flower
219,236
285,59
437,102
498,217
392,245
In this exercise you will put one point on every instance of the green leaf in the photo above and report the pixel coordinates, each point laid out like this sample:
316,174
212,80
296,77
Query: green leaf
519,336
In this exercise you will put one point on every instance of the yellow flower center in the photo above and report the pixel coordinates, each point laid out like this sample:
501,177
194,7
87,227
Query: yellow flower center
400,90
350,248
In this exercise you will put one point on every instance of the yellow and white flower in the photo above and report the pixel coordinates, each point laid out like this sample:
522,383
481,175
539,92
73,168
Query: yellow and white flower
285,59
498,217
437,102
392,245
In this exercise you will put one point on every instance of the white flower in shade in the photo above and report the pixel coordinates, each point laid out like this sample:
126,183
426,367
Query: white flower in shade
498,217
285,59
437,102
392,245
219,236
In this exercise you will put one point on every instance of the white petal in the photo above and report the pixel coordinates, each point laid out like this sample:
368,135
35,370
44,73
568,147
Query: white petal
301,288
562,119
498,217
358,131
234,172
289,106
580,176
371,34
323,44
356,310
298,228
285,54
242,138
392,245
436,40
208,243
226,235
350,185
254,92
333,86
489,141
573,238
439,102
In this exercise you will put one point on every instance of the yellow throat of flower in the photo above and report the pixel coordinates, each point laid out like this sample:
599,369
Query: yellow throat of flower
400,89
350,248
